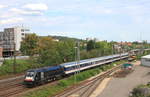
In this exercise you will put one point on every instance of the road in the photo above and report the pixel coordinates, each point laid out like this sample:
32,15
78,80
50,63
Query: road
120,87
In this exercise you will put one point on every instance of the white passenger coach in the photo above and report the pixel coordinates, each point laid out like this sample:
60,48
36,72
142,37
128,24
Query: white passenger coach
72,67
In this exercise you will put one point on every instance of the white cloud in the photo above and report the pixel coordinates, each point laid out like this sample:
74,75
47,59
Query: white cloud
6,15
2,6
20,11
25,12
11,20
38,6
105,11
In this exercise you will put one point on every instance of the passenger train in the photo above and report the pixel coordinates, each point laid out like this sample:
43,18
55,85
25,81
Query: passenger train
38,76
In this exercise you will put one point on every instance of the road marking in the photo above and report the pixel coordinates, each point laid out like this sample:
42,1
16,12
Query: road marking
101,87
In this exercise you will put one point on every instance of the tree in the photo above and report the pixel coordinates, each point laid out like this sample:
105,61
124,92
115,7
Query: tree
29,45
90,45
48,53
66,50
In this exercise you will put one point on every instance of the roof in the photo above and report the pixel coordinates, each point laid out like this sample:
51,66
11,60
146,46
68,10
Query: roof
44,69
146,57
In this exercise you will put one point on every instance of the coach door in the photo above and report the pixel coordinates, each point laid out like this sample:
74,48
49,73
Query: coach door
42,75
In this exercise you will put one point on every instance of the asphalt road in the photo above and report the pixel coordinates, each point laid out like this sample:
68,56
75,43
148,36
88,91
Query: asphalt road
120,87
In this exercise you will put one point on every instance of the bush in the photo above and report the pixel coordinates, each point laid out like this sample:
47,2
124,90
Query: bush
141,91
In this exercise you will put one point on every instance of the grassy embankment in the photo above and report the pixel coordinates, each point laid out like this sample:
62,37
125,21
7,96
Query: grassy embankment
65,83
21,66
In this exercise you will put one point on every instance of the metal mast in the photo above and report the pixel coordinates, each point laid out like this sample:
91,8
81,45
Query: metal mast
77,60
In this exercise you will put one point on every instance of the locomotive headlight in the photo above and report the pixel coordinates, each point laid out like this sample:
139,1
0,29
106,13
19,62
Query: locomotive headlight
29,79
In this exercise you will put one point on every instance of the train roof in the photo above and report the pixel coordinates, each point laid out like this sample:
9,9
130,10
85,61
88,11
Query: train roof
146,57
68,64
45,69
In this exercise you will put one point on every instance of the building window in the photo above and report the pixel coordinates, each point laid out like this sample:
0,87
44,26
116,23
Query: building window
22,34
22,30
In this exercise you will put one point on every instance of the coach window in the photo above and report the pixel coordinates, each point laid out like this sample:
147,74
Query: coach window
69,68
147,59
82,65
86,64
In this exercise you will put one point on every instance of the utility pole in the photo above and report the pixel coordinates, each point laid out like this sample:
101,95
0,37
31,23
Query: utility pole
76,64
121,50
78,56
112,50
77,60
141,49
14,65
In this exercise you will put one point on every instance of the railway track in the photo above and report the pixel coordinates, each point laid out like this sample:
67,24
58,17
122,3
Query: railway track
86,88
11,86
12,91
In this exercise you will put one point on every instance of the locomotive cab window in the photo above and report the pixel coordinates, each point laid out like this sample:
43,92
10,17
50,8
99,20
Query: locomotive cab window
30,74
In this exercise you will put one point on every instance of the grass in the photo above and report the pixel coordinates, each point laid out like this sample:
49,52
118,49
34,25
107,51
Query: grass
50,91
21,66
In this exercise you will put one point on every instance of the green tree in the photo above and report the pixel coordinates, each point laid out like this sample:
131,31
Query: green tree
29,45
104,48
48,53
66,50
90,45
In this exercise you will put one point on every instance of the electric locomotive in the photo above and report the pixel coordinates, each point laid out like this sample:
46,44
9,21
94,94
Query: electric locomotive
39,76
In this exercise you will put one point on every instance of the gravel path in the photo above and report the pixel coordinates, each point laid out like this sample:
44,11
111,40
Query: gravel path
120,87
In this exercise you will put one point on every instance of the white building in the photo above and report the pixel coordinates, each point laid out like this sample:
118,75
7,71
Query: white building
11,38
145,60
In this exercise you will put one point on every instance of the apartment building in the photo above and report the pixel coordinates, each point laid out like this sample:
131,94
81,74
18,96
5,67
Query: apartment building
10,39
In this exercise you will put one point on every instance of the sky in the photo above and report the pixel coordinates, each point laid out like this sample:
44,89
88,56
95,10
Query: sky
117,20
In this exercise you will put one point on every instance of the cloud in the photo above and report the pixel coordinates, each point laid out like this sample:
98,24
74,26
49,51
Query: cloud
25,12
39,6
6,15
103,11
11,20
2,6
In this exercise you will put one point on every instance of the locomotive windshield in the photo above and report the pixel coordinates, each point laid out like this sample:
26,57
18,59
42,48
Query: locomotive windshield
30,74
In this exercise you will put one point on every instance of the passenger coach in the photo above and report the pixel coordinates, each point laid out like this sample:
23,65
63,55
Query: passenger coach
72,67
